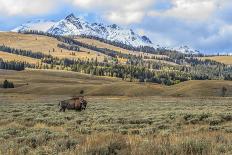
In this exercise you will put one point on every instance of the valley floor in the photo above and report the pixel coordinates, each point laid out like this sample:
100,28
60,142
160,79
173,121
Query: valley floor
31,124
121,117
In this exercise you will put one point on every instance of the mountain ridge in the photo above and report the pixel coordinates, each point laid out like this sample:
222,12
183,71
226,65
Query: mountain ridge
72,25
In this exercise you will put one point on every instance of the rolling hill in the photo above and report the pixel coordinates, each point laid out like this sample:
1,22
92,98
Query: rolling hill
15,57
222,59
44,44
48,82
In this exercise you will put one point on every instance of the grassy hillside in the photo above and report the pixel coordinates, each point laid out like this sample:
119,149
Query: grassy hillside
70,83
201,88
111,47
223,59
14,57
38,43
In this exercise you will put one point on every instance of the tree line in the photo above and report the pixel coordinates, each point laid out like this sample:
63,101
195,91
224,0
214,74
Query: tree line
14,65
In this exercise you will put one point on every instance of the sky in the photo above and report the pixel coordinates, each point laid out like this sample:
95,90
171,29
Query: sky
205,25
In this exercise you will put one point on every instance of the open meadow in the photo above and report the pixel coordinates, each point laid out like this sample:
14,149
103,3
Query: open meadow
121,117
31,124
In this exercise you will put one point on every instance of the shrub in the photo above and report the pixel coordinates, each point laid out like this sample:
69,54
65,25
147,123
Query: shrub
66,144
215,121
198,147
224,90
111,148
227,116
24,150
7,84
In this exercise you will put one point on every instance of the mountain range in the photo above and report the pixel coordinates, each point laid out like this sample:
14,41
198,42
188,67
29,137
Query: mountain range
72,25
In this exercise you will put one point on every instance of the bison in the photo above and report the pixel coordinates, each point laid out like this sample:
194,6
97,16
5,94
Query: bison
77,104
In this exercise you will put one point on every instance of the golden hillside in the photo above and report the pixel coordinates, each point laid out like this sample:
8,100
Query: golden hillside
223,59
44,44
15,57
51,82
100,44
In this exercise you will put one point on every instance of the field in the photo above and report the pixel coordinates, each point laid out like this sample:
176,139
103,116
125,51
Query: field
223,59
31,124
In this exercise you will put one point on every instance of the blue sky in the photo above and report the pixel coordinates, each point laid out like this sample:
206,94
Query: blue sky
205,25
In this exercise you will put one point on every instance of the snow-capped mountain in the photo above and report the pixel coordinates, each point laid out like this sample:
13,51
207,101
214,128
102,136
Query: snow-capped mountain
39,25
72,25
186,50
182,49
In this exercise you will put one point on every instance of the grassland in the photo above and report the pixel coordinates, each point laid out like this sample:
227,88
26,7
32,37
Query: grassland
51,82
122,117
31,124
15,57
223,59
44,44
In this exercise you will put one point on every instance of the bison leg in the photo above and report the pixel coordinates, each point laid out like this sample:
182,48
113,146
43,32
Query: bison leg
62,109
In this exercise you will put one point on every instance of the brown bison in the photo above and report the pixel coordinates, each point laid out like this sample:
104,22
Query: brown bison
77,104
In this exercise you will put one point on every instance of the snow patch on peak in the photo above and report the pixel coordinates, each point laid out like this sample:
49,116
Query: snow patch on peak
39,25
185,49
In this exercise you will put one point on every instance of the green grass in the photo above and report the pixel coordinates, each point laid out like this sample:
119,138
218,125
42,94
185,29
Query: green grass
31,124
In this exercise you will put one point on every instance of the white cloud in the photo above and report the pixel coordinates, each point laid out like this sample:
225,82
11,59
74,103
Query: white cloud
123,12
191,9
26,7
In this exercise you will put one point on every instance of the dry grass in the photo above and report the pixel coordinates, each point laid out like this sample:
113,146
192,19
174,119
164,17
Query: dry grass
223,59
45,44
64,82
14,57
31,124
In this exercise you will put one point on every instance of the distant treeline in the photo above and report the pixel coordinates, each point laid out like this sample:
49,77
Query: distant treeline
69,47
28,53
